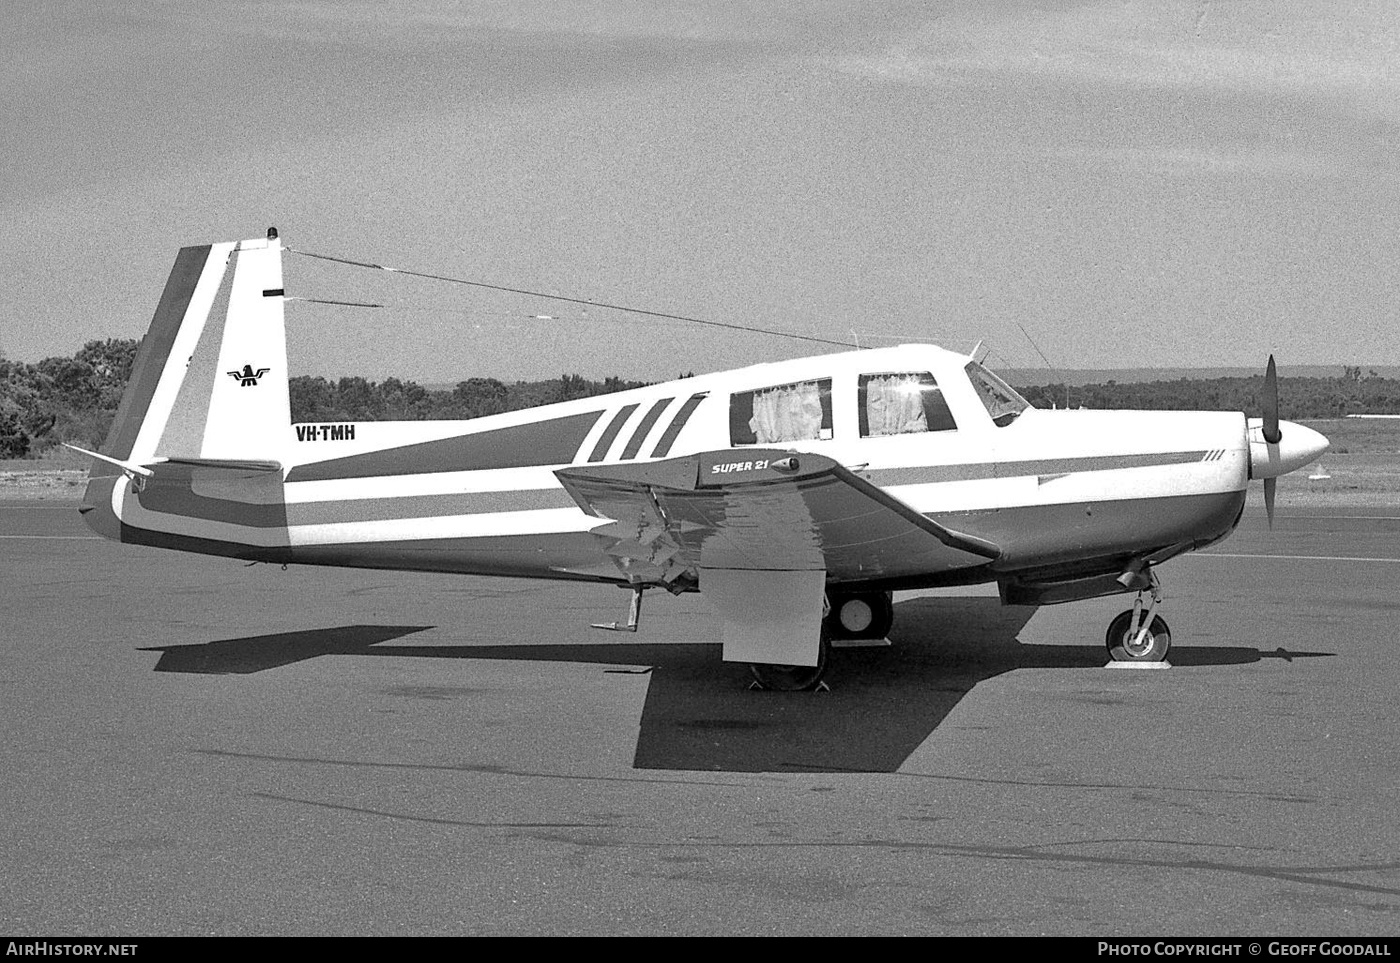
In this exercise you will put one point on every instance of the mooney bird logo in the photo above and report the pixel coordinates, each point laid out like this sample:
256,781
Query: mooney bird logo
248,376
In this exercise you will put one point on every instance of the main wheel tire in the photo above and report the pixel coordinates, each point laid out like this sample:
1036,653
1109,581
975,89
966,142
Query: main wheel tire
1123,645
867,615
793,678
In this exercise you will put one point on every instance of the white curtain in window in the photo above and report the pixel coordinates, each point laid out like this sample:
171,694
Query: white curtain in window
790,413
894,405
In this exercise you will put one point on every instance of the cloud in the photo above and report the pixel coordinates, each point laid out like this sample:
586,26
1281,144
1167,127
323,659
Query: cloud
414,22
1295,48
1219,160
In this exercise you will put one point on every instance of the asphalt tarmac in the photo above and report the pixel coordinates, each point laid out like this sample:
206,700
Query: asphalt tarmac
195,746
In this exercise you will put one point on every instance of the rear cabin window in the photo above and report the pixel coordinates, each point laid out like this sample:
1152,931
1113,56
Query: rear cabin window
902,403
767,416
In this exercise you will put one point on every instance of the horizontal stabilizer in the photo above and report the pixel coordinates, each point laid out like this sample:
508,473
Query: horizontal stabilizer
237,464
130,468
147,470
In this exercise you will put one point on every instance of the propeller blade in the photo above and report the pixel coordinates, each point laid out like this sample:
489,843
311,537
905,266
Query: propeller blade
1269,485
1271,429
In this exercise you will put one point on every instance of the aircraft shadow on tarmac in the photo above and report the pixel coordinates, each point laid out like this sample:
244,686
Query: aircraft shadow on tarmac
700,713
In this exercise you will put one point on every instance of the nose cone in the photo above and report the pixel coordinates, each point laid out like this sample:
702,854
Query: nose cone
1298,446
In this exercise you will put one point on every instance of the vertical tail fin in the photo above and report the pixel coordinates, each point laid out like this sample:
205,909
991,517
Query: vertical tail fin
210,378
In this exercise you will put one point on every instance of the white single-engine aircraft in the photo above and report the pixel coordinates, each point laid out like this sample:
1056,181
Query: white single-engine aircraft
796,496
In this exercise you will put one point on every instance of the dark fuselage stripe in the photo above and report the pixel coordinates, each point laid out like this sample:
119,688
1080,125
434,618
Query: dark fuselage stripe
1037,535
551,442
175,498
673,430
885,477
426,506
600,450
155,349
634,444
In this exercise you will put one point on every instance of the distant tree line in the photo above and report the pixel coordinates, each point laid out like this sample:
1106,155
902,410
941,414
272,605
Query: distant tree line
1299,398
62,399
356,399
74,399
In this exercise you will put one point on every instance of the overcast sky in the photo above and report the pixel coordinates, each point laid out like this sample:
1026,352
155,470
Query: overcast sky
1136,183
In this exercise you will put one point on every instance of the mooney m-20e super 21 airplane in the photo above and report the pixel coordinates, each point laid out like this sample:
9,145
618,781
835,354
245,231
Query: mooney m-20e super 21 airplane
796,496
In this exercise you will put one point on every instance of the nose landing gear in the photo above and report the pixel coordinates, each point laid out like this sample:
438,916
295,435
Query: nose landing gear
1139,635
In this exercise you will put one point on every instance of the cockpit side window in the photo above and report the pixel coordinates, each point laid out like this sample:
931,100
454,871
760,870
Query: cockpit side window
794,412
901,403
1001,400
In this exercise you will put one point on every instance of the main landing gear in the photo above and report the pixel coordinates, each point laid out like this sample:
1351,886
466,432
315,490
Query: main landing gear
1139,635
848,618
793,678
859,615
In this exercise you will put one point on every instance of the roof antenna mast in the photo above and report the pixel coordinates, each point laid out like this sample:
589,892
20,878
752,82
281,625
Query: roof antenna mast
1050,367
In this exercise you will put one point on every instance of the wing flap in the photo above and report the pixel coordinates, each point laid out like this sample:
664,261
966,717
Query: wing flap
768,617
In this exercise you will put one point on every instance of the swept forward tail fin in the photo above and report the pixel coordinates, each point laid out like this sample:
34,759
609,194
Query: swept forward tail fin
210,378
209,382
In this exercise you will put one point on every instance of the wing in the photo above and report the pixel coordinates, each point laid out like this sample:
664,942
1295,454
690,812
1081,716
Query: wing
763,510
753,519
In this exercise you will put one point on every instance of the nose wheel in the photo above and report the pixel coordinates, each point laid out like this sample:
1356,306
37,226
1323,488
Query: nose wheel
1129,641
1139,634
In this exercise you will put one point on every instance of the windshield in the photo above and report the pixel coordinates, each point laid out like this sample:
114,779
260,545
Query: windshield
1001,400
